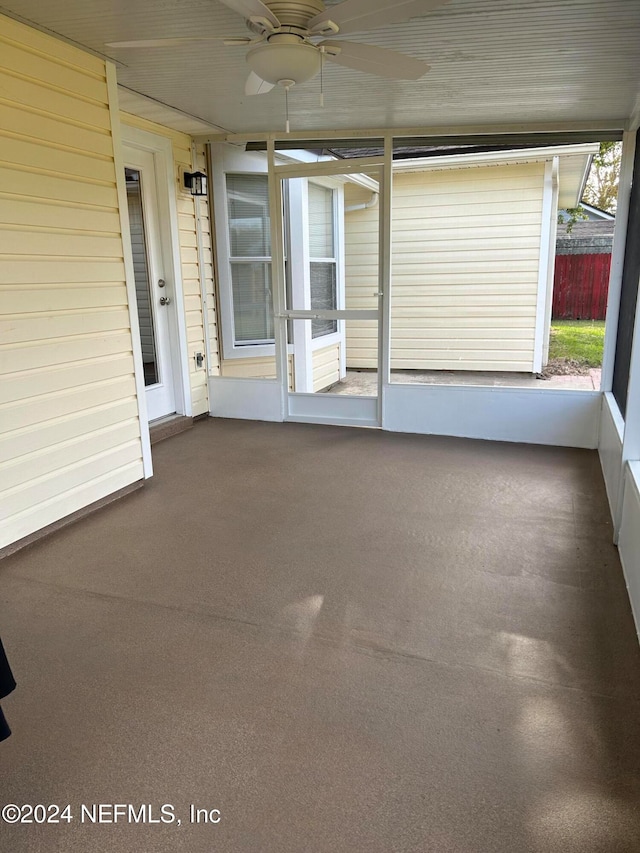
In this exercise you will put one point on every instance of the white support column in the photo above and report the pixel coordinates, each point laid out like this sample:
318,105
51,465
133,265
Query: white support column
300,282
543,267
551,260
384,273
617,259
631,443
278,282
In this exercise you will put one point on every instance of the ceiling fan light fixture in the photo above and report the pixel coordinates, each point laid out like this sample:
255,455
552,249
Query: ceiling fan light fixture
275,62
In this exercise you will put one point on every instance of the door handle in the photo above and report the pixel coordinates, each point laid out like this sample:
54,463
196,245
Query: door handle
165,300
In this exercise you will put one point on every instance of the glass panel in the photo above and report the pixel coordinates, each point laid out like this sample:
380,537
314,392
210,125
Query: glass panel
248,208
141,274
320,222
252,302
323,296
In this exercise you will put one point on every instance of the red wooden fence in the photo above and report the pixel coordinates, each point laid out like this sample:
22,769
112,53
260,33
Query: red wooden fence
580,287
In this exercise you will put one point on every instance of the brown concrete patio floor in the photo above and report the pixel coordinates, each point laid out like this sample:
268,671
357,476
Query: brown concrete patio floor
345,640
365,382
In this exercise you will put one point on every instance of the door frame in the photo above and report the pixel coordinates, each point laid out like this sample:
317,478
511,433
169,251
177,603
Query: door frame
329,408
161,149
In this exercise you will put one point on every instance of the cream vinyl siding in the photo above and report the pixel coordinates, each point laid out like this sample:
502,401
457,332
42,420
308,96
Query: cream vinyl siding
69,428
465,268
326,367
254,368
190,262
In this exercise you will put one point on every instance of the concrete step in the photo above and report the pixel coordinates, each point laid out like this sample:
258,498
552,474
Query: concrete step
169,426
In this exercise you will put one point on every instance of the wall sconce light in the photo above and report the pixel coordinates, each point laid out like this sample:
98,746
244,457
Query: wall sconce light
196,182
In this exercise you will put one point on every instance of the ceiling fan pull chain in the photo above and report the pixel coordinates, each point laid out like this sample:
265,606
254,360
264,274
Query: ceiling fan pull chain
286,103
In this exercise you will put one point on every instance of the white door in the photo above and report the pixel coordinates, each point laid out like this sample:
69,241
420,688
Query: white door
154,299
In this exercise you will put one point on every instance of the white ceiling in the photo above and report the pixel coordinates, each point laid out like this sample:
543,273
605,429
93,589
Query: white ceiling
493,62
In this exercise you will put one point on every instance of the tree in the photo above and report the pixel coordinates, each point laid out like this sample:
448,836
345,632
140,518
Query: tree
602,185
575,213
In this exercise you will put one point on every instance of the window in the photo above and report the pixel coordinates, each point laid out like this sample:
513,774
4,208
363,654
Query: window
250,259
322,257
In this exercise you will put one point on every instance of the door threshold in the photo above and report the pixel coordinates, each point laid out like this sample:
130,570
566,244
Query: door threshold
168,426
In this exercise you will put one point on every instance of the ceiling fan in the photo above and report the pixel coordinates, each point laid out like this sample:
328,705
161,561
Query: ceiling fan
284,48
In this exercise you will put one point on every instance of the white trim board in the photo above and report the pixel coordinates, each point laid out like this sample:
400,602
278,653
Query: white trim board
610,450
456,130
528,416
245,399
493,158
629,540
162,150
134,324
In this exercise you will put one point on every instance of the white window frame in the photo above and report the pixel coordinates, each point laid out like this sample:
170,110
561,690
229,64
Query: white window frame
337,189
226,162
236,162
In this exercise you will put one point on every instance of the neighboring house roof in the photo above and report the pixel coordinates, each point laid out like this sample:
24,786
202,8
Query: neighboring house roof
586,237
596,212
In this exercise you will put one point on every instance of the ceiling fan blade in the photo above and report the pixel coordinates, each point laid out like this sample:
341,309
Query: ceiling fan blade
256,85
353,16
176,42
252,9
375,60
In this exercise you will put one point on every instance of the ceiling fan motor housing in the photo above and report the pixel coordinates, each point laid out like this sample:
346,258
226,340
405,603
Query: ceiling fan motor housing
285,57
292,13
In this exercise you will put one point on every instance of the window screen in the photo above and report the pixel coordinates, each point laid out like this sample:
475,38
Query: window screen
629,293
322,257
250,257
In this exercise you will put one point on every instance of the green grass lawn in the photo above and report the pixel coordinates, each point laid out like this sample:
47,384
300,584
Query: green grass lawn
577,340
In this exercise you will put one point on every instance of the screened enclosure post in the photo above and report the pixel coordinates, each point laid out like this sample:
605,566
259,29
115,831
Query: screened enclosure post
384,276
631,444
617,259
278,278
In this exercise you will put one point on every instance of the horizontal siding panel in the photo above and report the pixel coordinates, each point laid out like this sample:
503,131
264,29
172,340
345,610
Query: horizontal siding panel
36,328
35,214
200,401
515,223
405,347
62,244
30,65
42,156
464,176
425,242
26,384
249,368
49,189
502,366
44,488
40,354
187,240
27,412
40,126
69,425
465,258
22,300
52,48
47,433
68,502
54,271
70,452
38,95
